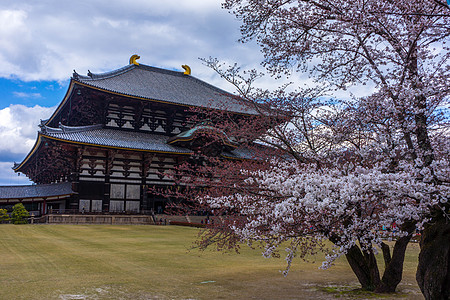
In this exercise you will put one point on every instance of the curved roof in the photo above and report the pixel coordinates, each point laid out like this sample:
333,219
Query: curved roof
97,136
162,85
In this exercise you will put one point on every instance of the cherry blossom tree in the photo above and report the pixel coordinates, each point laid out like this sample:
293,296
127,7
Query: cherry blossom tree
342,158
351,166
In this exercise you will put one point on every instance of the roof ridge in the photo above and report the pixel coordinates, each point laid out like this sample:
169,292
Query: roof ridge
108,74
66,129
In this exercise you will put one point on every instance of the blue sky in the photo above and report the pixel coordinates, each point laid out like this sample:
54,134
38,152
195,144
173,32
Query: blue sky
16,91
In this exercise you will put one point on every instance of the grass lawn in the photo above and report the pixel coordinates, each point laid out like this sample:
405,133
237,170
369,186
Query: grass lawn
154,262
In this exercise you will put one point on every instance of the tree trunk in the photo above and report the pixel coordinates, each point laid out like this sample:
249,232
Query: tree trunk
394,269
433,271
363,265
365,268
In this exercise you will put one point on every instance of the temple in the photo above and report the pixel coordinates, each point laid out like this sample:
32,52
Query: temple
116,134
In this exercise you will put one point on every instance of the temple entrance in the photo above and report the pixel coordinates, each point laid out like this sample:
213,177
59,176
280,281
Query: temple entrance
155,203
53,207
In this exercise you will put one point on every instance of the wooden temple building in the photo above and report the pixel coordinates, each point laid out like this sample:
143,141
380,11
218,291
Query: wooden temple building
116,134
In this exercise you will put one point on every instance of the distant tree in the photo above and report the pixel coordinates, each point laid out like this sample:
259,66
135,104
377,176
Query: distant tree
19,214
4,217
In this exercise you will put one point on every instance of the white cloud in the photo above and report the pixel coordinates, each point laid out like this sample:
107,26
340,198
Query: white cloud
27,95
18,132
12,26
42,40
48,39
19,126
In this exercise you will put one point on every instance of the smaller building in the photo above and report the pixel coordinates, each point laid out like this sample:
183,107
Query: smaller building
37,199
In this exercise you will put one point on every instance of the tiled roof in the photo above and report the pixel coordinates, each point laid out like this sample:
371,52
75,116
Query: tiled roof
95,135
36,191
164,85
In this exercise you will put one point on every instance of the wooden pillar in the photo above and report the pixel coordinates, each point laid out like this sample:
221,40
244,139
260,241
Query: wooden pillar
108,170
145,167
74,201
143,199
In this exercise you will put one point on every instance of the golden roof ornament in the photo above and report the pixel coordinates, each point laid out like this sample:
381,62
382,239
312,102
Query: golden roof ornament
133,59
187,69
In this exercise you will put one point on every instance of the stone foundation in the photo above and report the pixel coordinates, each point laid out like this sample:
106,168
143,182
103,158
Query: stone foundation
99,219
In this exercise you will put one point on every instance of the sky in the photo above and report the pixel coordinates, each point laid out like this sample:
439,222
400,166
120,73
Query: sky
42,42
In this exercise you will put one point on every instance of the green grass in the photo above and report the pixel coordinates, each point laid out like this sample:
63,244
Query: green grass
154,262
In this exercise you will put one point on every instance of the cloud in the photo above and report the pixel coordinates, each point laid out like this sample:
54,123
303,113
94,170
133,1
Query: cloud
18,128
27,95
46,40
18,132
